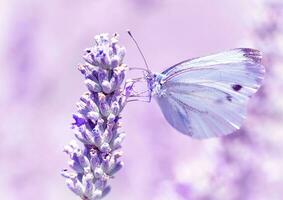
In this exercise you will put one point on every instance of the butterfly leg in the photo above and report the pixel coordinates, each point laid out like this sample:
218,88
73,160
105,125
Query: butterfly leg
140,97
131,83
141,100
134,95
140,94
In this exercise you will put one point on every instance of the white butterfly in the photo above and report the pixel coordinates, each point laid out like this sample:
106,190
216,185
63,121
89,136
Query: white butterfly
207,96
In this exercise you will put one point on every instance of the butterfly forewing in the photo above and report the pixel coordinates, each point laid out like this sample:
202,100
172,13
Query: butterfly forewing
207,96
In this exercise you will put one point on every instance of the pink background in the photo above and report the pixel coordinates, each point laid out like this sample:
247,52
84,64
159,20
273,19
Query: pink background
41,43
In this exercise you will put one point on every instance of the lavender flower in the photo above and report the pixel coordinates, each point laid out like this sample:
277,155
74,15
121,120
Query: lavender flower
97,122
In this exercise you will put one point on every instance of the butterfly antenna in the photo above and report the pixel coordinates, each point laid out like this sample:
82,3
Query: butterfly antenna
130,34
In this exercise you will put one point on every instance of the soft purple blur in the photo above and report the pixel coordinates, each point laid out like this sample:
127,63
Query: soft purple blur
41,43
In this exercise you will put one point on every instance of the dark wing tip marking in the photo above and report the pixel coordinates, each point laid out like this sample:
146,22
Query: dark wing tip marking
252,54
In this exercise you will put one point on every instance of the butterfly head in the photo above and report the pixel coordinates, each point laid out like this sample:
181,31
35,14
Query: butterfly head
154,82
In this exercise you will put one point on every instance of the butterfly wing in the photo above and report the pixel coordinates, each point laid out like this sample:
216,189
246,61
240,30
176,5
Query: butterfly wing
207,96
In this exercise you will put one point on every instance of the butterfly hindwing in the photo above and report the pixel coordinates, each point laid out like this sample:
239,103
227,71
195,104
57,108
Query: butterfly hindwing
207,96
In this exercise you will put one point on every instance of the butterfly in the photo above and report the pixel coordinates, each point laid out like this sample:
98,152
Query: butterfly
207,96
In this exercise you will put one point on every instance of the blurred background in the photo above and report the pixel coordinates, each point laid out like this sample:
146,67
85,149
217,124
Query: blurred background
41,43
